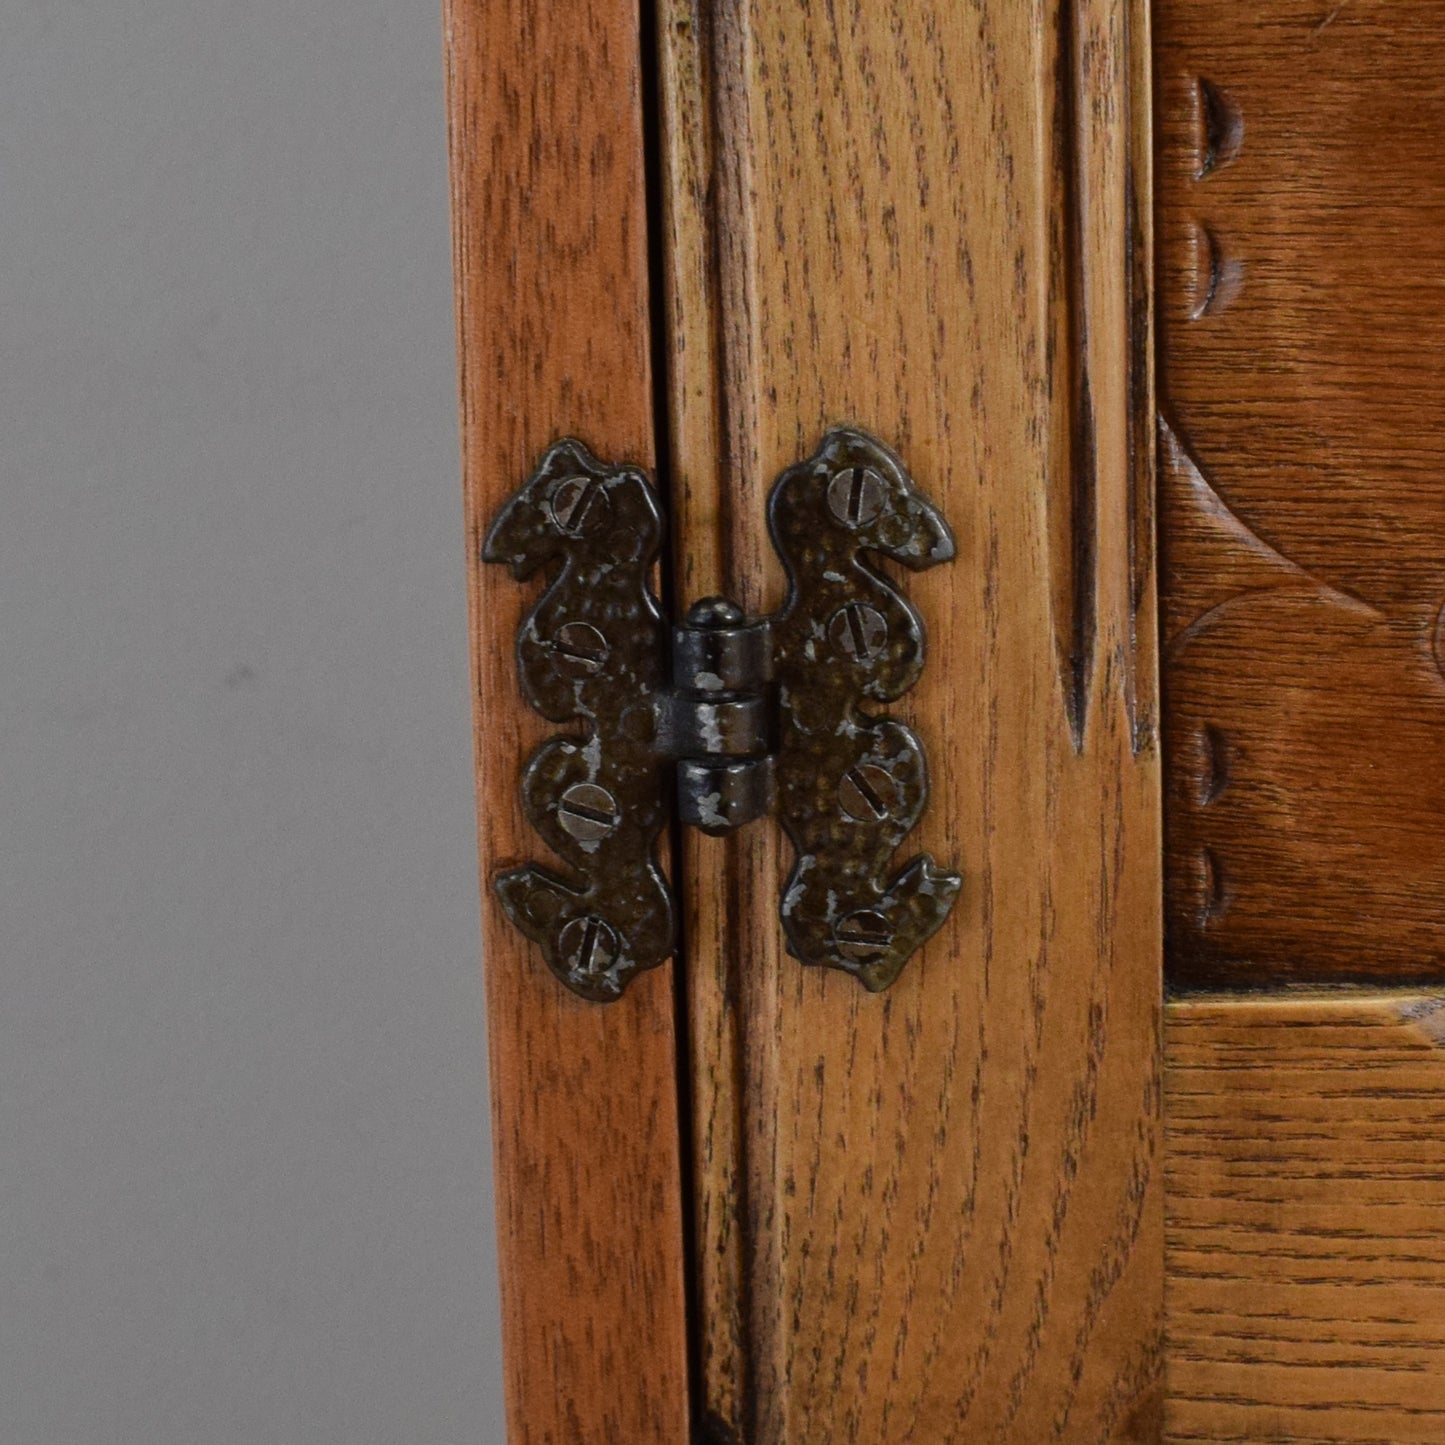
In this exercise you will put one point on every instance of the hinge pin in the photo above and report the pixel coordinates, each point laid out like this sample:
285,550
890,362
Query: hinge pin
715,720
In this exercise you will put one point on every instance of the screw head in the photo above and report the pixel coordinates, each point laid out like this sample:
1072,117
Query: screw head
868,793
589,945
863,936
588,812
576,504
859,631
855,496
580,649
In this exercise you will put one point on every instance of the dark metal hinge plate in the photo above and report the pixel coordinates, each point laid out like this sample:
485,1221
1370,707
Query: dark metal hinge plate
768,715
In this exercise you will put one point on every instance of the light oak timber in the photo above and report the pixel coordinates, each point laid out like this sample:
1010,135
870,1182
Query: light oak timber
553,323
1302,321
1306,1220
934,1215
723,920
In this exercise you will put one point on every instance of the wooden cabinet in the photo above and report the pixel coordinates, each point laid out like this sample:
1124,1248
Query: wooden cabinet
1302,502
1043,1187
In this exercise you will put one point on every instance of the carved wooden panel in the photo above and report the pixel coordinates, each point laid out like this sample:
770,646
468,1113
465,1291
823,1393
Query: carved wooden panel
1301,215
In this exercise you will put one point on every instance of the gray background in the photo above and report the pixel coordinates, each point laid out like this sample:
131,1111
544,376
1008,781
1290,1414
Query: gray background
244,1189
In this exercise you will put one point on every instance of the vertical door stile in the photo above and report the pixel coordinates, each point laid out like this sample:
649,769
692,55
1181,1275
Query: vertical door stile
545,100
728,887
934,1214
701,468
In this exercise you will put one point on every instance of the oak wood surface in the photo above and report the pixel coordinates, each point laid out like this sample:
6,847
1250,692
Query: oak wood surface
1306,1220
934,1215
1302,241
723,920
553,325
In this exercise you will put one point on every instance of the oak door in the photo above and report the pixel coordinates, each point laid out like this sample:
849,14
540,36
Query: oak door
750,1201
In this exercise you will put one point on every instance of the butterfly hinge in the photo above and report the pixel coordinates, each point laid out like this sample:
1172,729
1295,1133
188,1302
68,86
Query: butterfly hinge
722,719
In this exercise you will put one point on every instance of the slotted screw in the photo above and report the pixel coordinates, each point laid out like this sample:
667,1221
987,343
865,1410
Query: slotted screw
589,945
580,648
868,793
588,812
863,936
859,631
855,496
576,504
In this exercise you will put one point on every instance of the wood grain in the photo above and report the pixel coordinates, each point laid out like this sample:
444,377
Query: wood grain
934,1215
553,322
723,920
1302,238
1306,1220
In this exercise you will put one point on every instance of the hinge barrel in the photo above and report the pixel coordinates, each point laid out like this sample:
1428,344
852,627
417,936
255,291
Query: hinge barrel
718,719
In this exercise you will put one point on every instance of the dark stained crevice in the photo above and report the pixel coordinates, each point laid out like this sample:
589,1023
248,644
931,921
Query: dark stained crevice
1073,520
1141,449
1221,128
668,589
